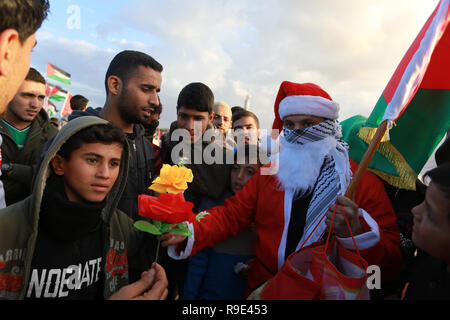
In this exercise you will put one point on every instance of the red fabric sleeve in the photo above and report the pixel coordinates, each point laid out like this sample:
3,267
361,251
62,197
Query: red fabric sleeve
226,221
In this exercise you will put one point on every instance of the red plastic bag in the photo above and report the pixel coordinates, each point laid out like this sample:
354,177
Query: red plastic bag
320,271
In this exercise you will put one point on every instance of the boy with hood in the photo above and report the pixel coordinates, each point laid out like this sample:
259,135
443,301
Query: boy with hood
68,240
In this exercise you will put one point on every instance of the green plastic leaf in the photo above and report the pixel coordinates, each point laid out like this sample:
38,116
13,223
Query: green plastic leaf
181,229
165,227
201,215
182,163
157,224
147,227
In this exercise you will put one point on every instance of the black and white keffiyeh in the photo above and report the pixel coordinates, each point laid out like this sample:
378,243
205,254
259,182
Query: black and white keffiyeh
333,178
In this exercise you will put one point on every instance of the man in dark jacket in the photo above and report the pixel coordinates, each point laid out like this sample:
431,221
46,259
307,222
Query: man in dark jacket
132,83
25,129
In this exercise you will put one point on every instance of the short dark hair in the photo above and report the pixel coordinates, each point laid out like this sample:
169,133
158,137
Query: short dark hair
78,102
240,114
197,96
101,133
237,109
441,176
126,62
25,16
34,75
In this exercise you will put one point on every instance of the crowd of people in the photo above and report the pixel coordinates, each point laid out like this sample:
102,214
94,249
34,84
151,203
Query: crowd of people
69,189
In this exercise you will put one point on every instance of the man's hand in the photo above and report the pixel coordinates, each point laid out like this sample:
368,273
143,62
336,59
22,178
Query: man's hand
168,239
151,286
340,227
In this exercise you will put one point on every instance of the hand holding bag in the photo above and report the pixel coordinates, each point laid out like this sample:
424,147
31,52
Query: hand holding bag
320,271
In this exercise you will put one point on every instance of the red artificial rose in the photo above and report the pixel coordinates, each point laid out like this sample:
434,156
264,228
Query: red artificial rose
167,207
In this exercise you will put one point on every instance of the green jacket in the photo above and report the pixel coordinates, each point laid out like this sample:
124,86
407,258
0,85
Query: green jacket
125,246
17,184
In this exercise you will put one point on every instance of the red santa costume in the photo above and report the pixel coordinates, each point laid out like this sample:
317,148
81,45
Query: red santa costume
313,165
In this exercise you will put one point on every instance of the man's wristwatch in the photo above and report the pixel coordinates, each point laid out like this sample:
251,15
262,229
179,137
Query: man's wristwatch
6,168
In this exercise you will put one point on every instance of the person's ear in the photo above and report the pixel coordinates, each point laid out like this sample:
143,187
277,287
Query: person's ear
211,117
58,165
115,85
9,40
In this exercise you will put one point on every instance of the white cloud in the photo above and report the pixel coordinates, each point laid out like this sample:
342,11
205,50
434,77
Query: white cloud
349,47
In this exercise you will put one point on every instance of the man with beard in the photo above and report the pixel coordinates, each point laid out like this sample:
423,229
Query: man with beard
132,83
25,129
286,207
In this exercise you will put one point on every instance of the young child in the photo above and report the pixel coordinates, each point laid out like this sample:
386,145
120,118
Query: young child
67,240
430,277
218,273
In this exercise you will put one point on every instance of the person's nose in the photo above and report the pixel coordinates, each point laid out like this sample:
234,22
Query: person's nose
103,171
416,212
153,99
241,174
34,102
190,125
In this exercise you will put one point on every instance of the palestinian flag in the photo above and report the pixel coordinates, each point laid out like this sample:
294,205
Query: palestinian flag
66,109
56,93
50,89
55,73
416,101
51,109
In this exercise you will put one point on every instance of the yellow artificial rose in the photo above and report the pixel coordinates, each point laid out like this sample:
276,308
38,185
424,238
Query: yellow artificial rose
172,179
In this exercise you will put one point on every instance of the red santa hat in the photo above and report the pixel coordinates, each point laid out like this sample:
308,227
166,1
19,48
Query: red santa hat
303,98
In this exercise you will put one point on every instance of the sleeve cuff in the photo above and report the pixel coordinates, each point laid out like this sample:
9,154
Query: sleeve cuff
182,254
365,240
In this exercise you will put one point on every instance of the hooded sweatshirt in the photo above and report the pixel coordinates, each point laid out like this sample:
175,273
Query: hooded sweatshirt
21,224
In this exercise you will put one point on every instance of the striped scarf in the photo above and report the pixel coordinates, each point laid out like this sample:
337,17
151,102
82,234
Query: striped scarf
334,175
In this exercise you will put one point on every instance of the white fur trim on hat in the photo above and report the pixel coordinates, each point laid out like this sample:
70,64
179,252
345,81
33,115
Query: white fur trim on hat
312,105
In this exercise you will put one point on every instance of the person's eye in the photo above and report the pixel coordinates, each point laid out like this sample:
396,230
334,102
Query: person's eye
91,160
251,172
114,163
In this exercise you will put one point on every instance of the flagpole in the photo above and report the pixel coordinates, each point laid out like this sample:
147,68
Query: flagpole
367,157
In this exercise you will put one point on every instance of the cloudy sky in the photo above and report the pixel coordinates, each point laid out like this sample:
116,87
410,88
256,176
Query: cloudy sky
237,47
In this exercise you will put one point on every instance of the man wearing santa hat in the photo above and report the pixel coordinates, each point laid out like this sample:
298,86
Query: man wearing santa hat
314,172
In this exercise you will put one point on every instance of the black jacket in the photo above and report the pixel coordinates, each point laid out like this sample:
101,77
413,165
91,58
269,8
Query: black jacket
141,170
18,184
